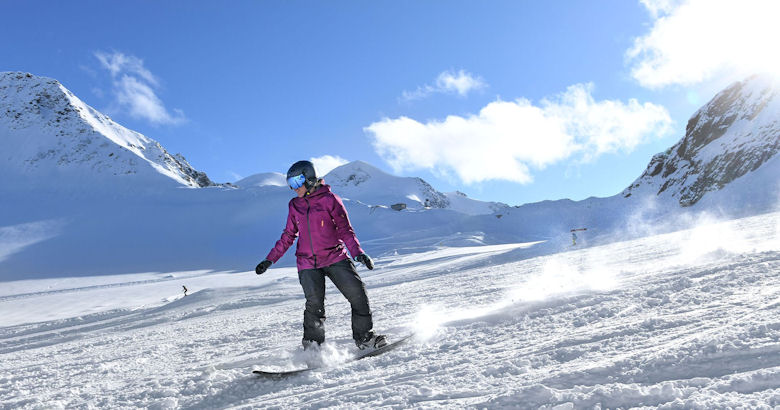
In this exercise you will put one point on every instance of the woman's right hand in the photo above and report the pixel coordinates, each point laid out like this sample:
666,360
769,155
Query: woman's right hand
262,266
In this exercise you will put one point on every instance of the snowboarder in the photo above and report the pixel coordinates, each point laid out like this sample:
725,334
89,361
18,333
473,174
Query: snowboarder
574,235
318,219
185,290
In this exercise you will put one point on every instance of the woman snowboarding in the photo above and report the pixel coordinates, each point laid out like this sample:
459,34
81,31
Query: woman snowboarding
318,219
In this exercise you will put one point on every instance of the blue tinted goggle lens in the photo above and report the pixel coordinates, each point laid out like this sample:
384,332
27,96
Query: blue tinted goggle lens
296,182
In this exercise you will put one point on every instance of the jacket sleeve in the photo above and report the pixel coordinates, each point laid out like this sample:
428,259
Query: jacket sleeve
344,228
288,238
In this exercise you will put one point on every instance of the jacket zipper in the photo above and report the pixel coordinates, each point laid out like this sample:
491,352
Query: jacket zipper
308,225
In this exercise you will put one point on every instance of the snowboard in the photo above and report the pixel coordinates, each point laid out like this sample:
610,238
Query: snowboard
359,356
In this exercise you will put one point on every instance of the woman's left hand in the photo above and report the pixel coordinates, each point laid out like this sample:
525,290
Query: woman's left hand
365,260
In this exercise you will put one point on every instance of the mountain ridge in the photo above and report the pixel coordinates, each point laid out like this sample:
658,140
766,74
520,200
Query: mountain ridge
51,228
734,133
52,132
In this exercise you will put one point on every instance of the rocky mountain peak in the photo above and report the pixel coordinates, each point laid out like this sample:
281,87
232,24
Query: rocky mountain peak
51,132
733,134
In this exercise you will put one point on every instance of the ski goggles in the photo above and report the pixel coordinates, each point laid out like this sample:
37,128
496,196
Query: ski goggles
296,181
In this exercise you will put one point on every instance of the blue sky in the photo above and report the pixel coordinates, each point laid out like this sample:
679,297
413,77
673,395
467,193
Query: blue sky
512,101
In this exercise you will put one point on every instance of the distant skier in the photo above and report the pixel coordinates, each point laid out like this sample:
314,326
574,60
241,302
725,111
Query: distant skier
318,219
185,290
574,235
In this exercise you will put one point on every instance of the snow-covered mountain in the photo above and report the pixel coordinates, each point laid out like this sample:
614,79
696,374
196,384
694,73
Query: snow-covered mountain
360,181
48,133
683,319
365,184
726,164
264,179
737,132
83,195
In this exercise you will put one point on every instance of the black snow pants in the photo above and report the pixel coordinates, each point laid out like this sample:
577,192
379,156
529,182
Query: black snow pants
348,282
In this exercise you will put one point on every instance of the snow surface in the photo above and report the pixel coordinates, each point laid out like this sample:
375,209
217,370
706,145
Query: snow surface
656,306
687,319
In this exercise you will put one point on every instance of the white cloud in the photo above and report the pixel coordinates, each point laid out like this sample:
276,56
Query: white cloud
507,139
134,89
461,82
118,63
659,7
327,163
448,82
697,40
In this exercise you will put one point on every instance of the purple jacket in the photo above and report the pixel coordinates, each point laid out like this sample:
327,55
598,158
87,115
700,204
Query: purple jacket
321,224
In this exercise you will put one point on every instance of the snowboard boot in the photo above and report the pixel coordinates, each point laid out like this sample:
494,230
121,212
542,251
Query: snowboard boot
371,341
311,345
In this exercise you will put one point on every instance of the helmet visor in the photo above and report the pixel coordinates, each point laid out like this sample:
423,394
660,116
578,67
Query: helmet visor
296,181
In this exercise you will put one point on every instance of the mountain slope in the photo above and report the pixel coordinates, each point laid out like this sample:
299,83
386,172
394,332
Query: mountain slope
82,195
361,181
263,179
683,320
737,132
47,132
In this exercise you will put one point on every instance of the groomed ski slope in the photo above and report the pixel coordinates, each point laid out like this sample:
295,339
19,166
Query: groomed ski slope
689,319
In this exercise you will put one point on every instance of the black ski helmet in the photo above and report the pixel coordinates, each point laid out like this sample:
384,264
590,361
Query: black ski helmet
305,168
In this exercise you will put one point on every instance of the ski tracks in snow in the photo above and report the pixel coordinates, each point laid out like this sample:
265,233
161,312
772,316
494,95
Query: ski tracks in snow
636,323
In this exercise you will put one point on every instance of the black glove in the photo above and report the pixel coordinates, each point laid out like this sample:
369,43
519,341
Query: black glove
365,260
262,266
